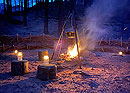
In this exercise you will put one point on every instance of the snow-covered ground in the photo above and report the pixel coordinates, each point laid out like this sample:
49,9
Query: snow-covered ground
106,73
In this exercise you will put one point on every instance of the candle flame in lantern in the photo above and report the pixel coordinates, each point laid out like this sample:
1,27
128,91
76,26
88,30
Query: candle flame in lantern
120,53
20,54
46,57
72,52
16,51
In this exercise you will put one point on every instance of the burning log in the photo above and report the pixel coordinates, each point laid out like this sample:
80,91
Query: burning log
19,67
46,72
72,53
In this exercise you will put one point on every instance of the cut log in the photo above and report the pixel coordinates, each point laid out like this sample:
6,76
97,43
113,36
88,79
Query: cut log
19,67
41,54
46,72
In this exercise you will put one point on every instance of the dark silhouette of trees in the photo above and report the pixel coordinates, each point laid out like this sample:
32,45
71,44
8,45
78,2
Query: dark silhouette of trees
25,13
46,17
60,16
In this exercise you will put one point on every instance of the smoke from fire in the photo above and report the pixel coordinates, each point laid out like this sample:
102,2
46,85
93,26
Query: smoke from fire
99,13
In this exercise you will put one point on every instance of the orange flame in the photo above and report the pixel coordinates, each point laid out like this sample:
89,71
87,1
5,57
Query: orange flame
72,52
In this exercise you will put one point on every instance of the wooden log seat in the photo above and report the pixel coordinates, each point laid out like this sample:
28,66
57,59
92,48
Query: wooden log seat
19,67
46,72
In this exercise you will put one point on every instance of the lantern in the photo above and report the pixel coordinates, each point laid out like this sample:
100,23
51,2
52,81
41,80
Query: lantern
20,56
46,59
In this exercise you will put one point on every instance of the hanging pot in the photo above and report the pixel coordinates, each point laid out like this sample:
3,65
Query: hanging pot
70,33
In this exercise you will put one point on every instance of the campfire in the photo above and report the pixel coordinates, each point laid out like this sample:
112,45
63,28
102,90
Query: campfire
72,53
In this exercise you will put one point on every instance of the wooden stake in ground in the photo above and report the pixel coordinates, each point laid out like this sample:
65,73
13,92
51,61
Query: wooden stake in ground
17,37
109,43
30,37
100,41
121,42
127,49
3,47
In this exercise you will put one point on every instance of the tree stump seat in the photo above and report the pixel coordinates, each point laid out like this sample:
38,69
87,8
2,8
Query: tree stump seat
19,67
46,72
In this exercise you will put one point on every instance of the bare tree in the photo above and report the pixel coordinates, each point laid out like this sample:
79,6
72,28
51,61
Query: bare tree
46,17
60,17
25,13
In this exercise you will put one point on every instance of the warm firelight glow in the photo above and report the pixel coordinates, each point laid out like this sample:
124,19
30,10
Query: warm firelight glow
120,53
20,56
16,51
46,57
72,52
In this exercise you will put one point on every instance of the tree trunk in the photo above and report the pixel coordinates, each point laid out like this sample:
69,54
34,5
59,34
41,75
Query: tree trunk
46,17
9,9
28,3
36,2
4,7
25,13
32,3
22,6
60,23
72,5
15,5
19,5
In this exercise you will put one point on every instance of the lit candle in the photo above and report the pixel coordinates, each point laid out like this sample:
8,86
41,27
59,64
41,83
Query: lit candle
20,56
16,51
120,53
46,60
